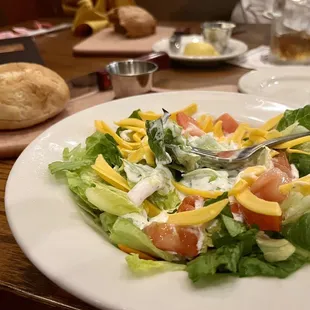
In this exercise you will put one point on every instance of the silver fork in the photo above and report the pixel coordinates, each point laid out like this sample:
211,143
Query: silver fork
234,159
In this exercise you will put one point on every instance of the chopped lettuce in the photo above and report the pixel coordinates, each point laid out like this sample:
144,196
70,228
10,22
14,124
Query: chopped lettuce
294,206
208,180
99,143
301,161
111,200
173,133
299,232
208,142
251,266
78,186
145,188
233,227
107,221
293,129
77,153
219,198
151,183
168,202
243,259
58,166
134,114
156,140
300,116
275,250
180,156
136,172
78,157
224,259
296,121
142,267
126,233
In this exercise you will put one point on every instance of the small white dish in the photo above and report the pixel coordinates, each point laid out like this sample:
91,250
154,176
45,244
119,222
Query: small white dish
290,85
235,48
47,225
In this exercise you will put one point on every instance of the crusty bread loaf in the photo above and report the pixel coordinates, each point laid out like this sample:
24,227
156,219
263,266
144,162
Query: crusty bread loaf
29,94
133,21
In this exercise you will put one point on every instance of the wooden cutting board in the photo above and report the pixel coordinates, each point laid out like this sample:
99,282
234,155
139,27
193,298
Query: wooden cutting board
12,143
108,42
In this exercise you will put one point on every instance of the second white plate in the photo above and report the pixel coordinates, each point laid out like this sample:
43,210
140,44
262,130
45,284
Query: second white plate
286,84
235,48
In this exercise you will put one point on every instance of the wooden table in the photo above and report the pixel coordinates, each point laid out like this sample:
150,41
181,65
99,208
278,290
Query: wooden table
21,284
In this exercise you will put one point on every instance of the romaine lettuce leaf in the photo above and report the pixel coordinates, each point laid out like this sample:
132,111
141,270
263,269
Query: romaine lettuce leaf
58,166
208,180
77,153
107,221
241,260
173,133
78,186
293,129
219,198
78,182
180,156
78,157
111,200
224,260
294,206
275,250
143,267
151,183
136,172
302,116
301,161
250,266
99,143
299,232
208,142
126,233
233,227
168,202
134,114
156,140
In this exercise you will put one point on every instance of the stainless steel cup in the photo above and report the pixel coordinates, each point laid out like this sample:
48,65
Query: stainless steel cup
131,77
217,34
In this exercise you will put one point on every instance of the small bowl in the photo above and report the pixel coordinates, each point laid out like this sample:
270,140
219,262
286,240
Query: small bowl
217,34
131,77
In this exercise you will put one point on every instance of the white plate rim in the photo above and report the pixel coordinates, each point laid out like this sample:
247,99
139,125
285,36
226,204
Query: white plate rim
242,48
50,275
250,82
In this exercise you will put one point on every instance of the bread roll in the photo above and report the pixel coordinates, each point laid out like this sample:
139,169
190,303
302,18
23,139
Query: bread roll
133,21
29,94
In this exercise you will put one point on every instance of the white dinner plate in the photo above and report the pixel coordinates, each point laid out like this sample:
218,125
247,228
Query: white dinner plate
48,227
235,48
286,84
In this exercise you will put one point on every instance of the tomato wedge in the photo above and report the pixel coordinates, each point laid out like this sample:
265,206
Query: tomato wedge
267,185
281,162
169,237
189,124
229,124
188,203
264,222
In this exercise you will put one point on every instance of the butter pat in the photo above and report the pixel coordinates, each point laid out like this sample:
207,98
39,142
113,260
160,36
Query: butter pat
200,49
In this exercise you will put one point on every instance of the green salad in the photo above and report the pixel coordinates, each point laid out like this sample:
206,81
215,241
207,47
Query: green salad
139,185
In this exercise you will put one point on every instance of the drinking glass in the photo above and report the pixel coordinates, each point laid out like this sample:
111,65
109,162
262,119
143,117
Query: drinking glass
290,32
